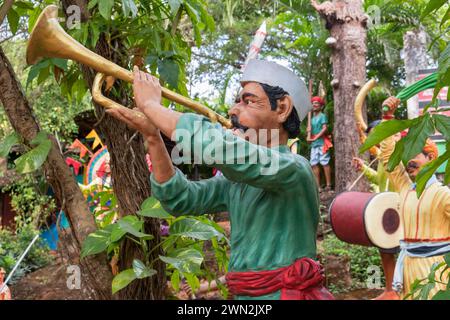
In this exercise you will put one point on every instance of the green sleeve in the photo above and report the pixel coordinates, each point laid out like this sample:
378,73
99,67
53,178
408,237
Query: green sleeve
239,160
179,196
370,174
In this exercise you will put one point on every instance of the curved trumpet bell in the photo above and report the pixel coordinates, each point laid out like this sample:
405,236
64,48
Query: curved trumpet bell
49,40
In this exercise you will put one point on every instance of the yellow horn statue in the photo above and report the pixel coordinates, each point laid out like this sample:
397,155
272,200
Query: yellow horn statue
49,40
360,123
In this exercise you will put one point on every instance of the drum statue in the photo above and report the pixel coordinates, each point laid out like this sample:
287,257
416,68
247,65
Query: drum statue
368,219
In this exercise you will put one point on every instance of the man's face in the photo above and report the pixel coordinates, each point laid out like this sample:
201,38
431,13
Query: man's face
414,165
316,106
252,110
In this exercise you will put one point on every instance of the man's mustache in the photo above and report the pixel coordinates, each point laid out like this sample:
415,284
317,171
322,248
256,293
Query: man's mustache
236,124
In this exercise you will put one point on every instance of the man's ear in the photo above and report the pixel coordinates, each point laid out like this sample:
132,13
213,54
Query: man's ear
284,108
431,156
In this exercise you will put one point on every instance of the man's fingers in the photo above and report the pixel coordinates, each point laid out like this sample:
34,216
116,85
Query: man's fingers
136,73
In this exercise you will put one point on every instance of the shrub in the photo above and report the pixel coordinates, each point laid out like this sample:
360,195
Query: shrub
12,245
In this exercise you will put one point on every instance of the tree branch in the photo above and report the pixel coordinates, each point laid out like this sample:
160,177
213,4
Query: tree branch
4,9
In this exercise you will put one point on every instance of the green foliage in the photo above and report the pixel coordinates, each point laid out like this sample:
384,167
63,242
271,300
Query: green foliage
420,289
360,257
12,245
30,201
183,246
55,112
419,130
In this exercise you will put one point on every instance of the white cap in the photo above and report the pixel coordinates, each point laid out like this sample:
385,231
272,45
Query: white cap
273,74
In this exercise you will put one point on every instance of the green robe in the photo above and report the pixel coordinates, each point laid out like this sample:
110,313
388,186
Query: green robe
273,217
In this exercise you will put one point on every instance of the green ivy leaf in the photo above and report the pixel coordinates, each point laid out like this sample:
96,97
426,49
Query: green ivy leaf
105,8
396,156
195,229
152,208
132,228
96,242
123,279
33,159
141,270
7,143
185,261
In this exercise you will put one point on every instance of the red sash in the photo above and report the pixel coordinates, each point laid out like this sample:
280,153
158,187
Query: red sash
302,280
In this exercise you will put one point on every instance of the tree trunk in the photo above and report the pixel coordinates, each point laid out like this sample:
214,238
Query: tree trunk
346,22
95,272
129,172
416,58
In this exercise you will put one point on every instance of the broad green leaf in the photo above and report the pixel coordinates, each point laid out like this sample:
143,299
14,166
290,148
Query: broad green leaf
185,261
33,18
428,170
194,229
174,5
92,4
36,69
128,6
152,208
175,280
96,242
13,20
117,233
141,270
192,281
60,63
33,159
425,292
169,71
7,143
132,228
122,280
442,295
24,5
442,123
417,135
41,137
105,7
385,130
396,156
432,6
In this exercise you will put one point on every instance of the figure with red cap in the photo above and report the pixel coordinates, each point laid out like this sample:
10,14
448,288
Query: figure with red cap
320,143
426,220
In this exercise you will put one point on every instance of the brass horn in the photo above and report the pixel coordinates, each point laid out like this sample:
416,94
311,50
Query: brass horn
49,40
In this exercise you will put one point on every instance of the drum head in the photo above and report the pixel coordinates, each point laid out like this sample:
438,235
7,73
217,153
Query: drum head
382,220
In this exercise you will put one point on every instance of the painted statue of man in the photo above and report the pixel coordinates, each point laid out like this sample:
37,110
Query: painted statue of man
269,192
426,219
317,136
